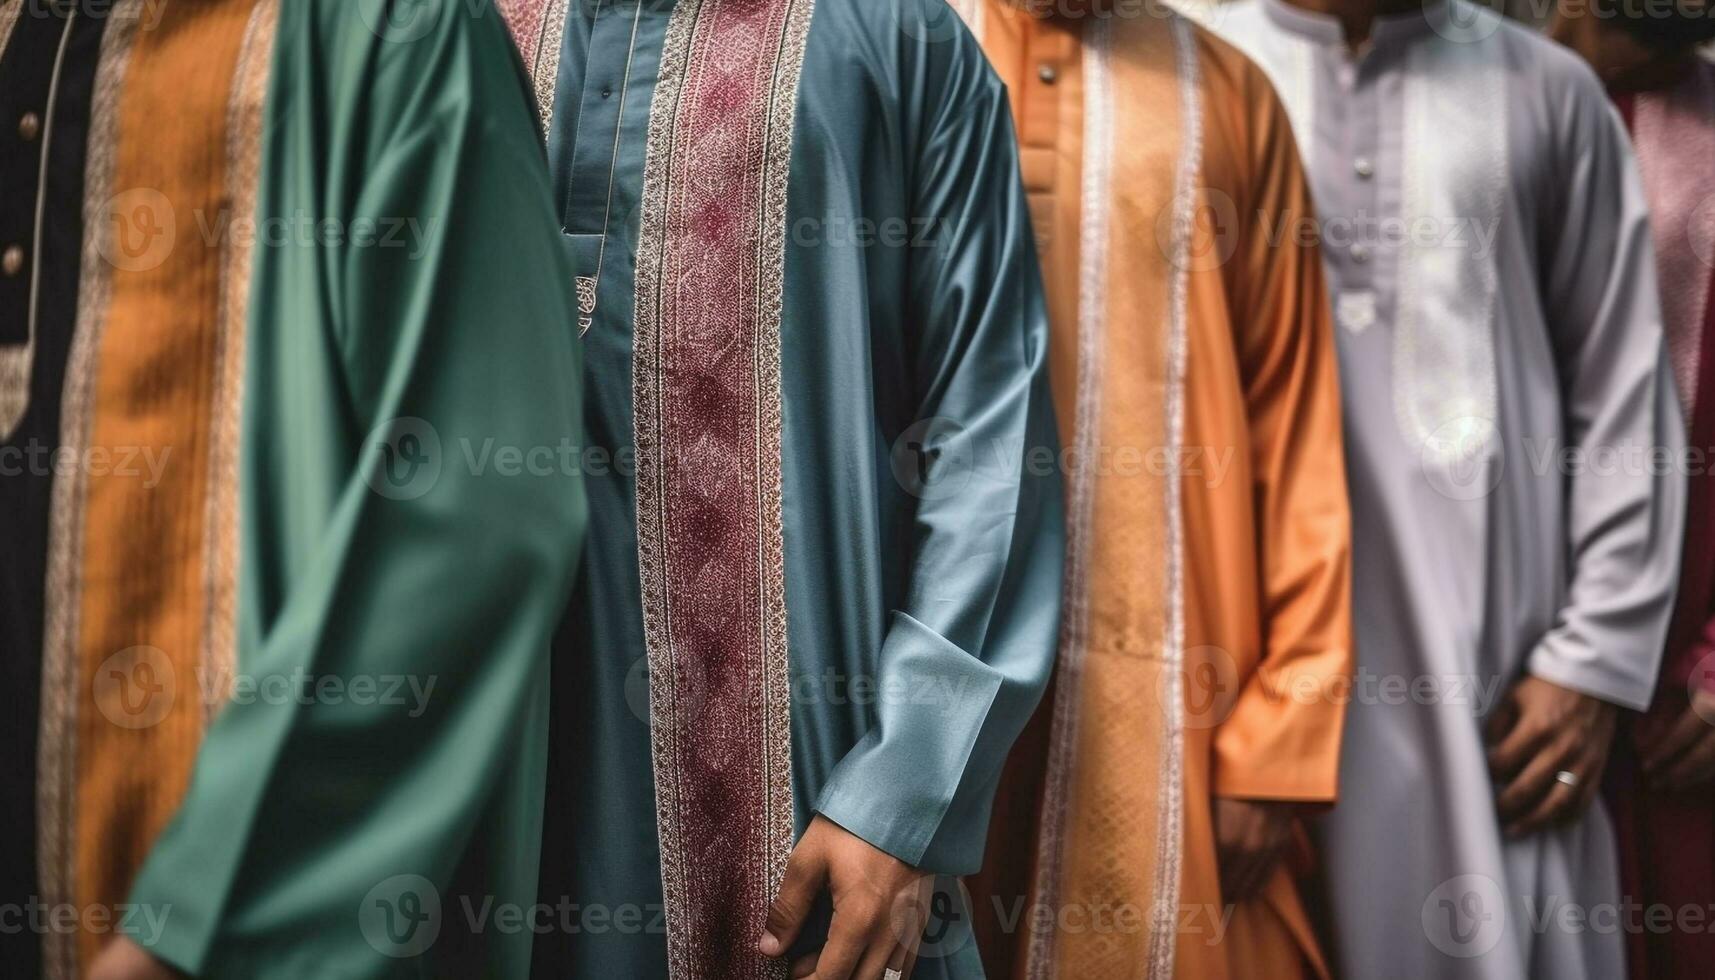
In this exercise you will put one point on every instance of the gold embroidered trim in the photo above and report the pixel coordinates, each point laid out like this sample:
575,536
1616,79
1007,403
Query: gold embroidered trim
545,73
244,165
1170,819
56,803
1097,192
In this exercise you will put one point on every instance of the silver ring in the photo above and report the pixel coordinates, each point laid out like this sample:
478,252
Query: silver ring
1566,777
893,974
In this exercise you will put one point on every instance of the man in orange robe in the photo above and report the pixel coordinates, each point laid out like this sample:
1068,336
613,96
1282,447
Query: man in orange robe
1148,824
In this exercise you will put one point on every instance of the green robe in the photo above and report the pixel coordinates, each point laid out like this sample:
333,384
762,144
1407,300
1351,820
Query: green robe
907,327
338,839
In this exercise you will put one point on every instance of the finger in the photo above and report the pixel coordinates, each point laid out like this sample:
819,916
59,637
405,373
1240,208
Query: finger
1529,786
877,958
1694,767
907,960
1516,748
804,966
910,964
805,874
1553,805
1501,721
848,940
910,913
1683,734
900,960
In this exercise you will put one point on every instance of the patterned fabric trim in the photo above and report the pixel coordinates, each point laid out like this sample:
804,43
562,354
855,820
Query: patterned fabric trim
142,571
244,171
1171,811
1675,141
9,11
1444,328
1097,195
708,418
57,749
539,29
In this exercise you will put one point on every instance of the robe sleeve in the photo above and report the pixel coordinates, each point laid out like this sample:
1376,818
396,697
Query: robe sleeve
299,809
1624,522
1282,737
964,660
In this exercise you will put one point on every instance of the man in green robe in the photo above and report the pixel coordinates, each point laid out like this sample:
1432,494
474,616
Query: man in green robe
286,369
821,591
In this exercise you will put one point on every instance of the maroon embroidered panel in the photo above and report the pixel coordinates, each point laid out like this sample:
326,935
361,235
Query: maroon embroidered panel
706,376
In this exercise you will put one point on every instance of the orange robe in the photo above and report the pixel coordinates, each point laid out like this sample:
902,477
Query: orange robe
1206,644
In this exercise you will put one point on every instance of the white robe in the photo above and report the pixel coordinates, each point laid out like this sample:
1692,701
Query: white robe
1514,448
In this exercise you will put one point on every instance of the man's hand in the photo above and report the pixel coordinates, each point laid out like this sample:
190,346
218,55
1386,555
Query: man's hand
880,904
1250,837
1540,731
1681,756
123,959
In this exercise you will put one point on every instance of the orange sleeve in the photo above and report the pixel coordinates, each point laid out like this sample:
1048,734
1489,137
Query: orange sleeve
1282,737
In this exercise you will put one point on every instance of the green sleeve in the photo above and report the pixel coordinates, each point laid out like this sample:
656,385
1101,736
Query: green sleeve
410,512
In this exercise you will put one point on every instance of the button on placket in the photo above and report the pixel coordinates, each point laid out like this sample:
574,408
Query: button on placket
29,127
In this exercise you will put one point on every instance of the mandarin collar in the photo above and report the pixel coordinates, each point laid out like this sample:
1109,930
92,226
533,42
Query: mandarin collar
1438,16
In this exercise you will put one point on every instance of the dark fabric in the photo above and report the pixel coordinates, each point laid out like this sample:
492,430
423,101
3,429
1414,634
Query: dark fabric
26,458
1675,31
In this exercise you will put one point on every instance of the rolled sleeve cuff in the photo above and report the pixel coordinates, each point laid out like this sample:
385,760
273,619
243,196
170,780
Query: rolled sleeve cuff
899,788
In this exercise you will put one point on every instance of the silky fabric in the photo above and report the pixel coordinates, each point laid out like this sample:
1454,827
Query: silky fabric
1508,402
1195,133
307,821
920,621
